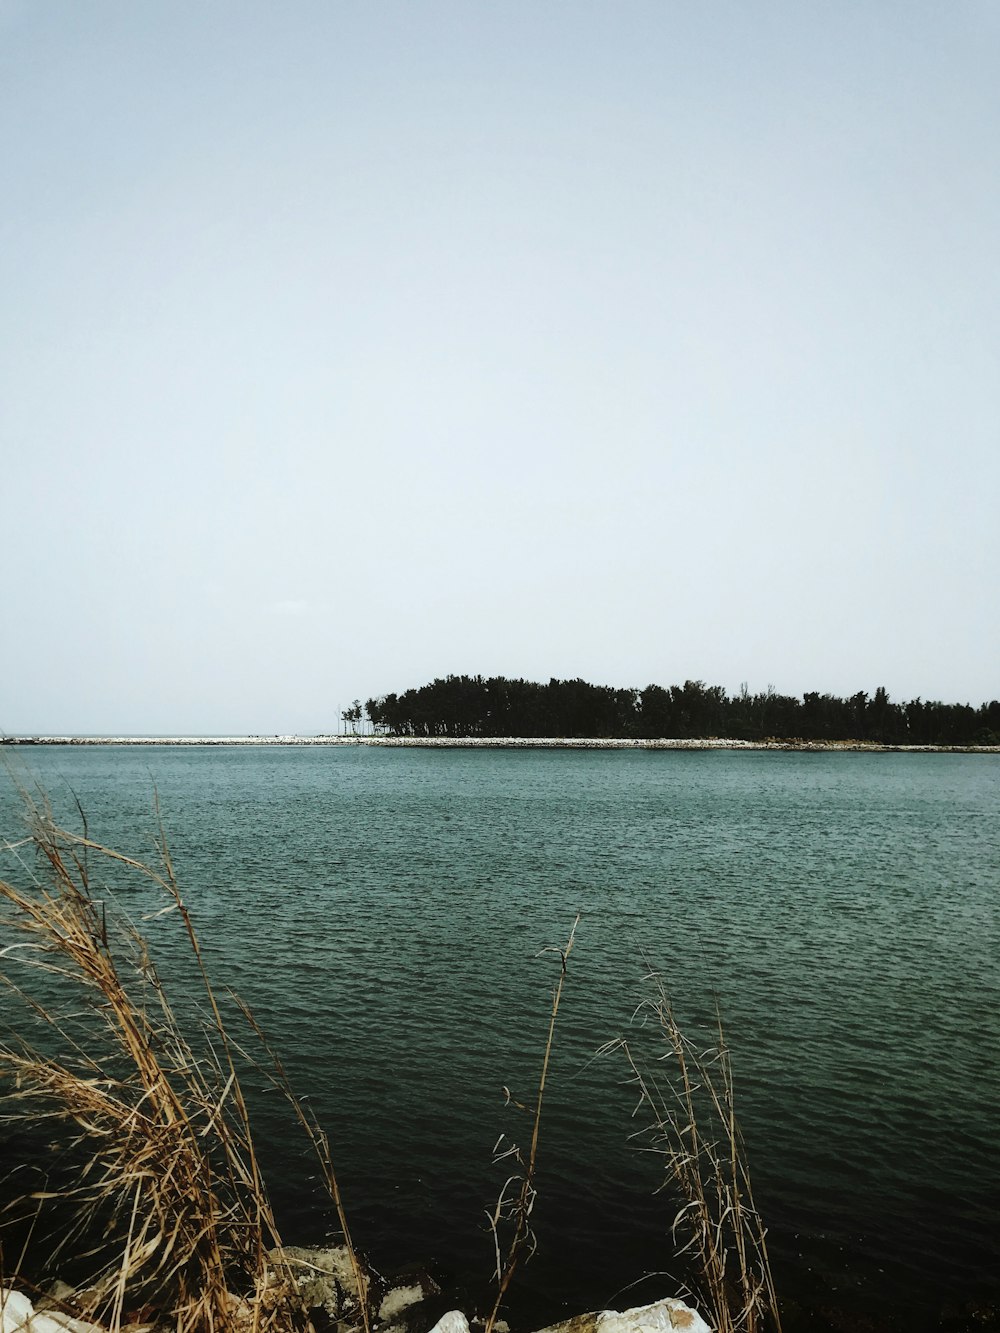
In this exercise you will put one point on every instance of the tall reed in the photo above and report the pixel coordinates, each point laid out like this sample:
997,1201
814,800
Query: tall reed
687,1093
170,1203
516,1200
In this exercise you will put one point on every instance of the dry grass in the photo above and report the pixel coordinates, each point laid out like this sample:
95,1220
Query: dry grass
169,1205
512,1211
688,1093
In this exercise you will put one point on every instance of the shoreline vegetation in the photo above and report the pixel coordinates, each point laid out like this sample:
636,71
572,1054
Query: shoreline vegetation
499,707
516,743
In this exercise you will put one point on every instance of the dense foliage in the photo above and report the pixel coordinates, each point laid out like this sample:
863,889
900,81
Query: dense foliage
477,706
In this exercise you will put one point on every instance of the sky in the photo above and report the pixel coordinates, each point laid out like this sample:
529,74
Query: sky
346,345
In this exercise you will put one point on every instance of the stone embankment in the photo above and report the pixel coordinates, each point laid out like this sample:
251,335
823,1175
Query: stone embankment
323,1284
511,743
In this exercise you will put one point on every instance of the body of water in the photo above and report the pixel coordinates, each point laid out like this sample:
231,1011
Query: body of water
383,911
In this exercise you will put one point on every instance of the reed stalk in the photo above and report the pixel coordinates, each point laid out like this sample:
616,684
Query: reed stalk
517,1197
688,1094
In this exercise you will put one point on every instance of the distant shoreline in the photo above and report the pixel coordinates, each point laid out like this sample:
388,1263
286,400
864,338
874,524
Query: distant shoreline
505,743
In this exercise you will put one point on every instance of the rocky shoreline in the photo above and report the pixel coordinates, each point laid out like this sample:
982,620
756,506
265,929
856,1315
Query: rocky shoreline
509,743
320,1283
322,1286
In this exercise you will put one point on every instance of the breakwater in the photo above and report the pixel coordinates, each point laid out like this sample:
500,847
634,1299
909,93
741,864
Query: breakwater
512,743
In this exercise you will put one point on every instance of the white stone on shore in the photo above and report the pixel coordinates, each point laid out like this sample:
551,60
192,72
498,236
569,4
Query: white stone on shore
398,1299
452,1322
15,1310
666,1316
18,1315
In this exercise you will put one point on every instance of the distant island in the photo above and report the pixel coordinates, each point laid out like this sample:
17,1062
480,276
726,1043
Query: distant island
495,707
479,711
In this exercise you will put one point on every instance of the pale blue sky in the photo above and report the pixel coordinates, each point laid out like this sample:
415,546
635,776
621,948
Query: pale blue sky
346,345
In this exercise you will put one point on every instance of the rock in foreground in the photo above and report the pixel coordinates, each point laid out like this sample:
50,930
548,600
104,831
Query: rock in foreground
667,1316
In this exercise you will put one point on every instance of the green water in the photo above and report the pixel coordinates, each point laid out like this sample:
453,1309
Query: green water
382,911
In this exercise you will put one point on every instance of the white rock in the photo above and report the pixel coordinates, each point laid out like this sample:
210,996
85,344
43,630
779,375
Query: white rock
54,1321
452,1322
660,1317
18,1315
15,1310
665,1316
398,1299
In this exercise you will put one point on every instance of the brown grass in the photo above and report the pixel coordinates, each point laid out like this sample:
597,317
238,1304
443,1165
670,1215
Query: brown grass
688,1094
512,1211
169,1204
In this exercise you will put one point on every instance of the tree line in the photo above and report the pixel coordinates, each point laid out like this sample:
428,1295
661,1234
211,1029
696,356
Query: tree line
464,706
